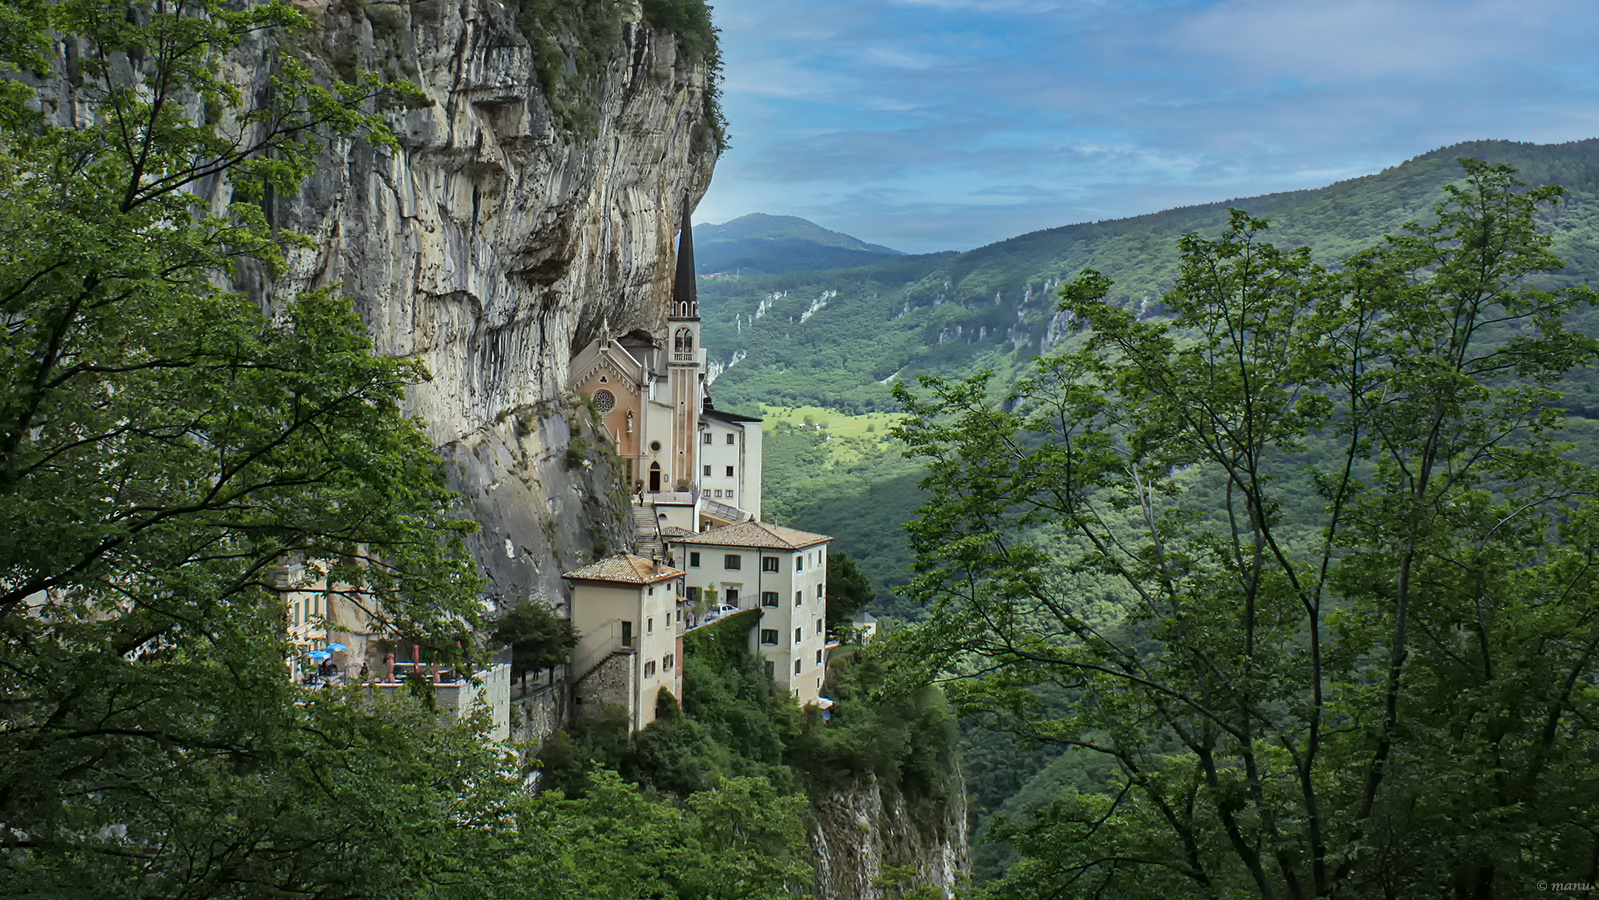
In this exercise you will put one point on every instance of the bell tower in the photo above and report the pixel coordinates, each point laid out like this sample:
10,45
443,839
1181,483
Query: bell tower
687,367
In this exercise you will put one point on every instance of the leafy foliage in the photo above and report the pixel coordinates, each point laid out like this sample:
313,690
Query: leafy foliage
857,489
1369,695
167,454
847,589
905,739
539,638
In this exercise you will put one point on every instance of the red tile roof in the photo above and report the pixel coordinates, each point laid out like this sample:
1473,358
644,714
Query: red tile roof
625,569
755,534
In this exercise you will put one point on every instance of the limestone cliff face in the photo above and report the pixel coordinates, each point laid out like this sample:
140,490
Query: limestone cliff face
494,240
863,831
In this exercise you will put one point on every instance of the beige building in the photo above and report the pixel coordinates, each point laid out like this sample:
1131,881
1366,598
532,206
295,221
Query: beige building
782,572
627,612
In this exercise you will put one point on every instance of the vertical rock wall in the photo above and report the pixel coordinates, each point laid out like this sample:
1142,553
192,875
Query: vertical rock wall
494,240
863,831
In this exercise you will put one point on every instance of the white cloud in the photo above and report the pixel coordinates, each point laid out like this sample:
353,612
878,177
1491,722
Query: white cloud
917,109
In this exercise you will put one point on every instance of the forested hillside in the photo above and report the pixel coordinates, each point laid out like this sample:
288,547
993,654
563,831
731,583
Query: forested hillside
840,340
839,337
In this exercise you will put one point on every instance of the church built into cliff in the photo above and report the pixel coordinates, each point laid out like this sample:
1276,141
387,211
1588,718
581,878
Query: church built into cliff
696,478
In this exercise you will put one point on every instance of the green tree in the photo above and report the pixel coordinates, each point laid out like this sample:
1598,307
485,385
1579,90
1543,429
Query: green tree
848,589
739,841
167,447
1307,560
539,639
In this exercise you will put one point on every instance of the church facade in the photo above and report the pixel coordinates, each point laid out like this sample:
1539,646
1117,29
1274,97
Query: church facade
695,466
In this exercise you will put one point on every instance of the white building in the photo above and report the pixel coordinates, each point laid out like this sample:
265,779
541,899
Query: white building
730,459
782,572
628,615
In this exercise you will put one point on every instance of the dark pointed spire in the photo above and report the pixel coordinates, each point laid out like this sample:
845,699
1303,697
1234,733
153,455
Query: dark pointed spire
685,292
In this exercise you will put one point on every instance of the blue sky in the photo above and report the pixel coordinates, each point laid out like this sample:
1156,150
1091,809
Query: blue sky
948,124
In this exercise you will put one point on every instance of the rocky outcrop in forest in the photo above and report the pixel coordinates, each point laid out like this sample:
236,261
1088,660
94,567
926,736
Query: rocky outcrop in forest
865,836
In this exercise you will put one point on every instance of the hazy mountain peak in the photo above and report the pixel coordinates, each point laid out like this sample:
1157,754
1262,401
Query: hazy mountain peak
766,244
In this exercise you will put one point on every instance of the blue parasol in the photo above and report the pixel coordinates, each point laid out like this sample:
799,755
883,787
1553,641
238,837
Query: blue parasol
337,647
319,654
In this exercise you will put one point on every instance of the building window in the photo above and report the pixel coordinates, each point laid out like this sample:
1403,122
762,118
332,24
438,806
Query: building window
771,669
768,564
694,563
769,598
769,636
707,471
732,596
693,595
799,563
818,626
604,401
820,593
649,625
668,660
732,561
796,667
799,635
818,658
799,598
649,668
707,437
730,439
655,446
730,471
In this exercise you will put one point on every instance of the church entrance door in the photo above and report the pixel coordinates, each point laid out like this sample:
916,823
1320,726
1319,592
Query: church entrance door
655,478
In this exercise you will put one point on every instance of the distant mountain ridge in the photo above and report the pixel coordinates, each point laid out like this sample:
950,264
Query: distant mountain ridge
761,244
839,335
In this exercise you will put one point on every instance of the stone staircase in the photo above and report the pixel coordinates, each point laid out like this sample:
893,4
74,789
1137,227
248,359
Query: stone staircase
650,545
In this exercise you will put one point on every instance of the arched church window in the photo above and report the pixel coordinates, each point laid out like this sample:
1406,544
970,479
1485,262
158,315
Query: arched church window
604,401
684,342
